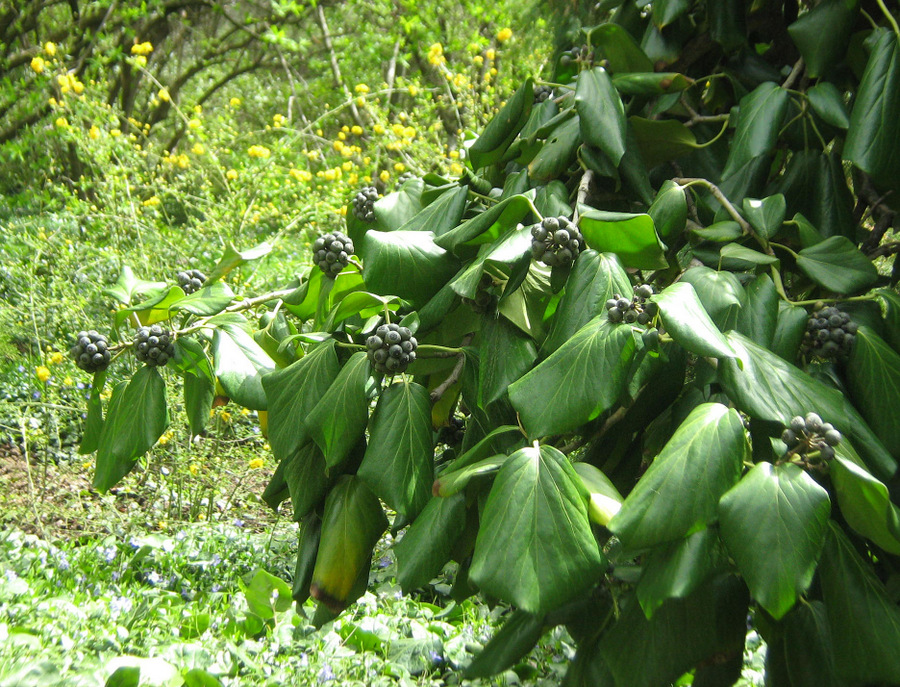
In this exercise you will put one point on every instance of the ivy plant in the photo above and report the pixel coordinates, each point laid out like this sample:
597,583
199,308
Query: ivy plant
639,364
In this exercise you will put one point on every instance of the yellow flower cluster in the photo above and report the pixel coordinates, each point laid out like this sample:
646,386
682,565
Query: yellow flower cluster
258,151
278,120
256,463
301,175
231,174
361,88
42,373
504,35
235,102
436,54
50,48
38,64
179,160
151,202
144,48
56,358
69,82
163,95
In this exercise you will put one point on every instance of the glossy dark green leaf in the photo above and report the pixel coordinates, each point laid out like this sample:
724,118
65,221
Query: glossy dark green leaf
352,523
427,545
199,381
454,481
823,34
128,286
660,140
488,225
815,186
307,548
789,330
601,113
837,265
678,569
650,83
679,493
613,43
759,314
503,128
593,280
506,354
339,419
93,422
208,300
233,258
765,215
361,303
773,523
720,232
711,622
745,258
408,264
891,302
604,500
873,139
581,379
669,210
865,501
720,293
442,214
827,102
535,548
632,237
157,308
688,323
293,392
874,382
864,622
727,23
197,677
398,465
304,475
304,300
266,594
759,121
397,208
124,676
664,12
770,388
135,418
240,364
808,647
557,153
510,643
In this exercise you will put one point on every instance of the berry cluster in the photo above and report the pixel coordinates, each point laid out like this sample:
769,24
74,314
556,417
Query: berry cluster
91,351
190,280
484,300
829,333
638,309
364,203
556,241
331,252
391,348
154,345
453,433
809,434
542,93
403,178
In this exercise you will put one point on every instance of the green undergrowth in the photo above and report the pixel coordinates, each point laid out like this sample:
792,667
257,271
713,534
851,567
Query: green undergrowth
207,603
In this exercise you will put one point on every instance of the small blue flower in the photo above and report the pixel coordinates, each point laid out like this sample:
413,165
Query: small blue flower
153,578
326,674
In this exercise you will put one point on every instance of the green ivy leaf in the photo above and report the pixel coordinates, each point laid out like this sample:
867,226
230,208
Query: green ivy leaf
398,465
128,286
240,364
864,621
865,501
823,34
93,423
874,382
687,322
510,643
631,237
773,523
789,330
267,595
558,152
209,300
293,392
506,354
397,208
338,420
669,210
827,102
593,280
535,548
157,308
604,500
873,139
720,293
745,258
766,215
761,112
233,258
442,214
660,140
679,493
678,569
837,265
581,379
759,315
199,381
408,264
600,113
352,523
427,545
135,419
502,130
650,84
664,12
304,475
488,225
720,232
613,43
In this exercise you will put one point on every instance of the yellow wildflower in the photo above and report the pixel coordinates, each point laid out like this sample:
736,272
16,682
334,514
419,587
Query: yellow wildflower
115,133
436,54
195,123
490,54
140,61
278,120
198,109
198,149
235,102
258,151
42,373
399,167
194,468
504,34
231,174
456,168
68,381
163,94
56,358
356,130
409,132
385,175
454,154
347,166
50,48
151,202
62,122
361,88
413,91
37,64
94,132
256,463
378,129
144,48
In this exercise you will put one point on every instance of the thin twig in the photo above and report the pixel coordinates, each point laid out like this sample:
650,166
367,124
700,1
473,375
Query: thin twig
584,187
438,392
697,118
795,74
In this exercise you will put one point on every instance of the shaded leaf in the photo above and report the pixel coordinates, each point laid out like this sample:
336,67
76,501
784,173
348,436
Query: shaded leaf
240,364
687,322
826,101
765,215
604,500
823,34
761,112
874,382
234,258
601,113
428,542
510,643
660,140
865,502
503,128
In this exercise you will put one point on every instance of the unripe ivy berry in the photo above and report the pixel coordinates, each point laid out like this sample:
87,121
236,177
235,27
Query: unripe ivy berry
154,345
364,203
91,351
331,252
391,348
556,241
190,281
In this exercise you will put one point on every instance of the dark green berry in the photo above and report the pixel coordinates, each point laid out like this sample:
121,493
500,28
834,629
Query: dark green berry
391,348
190,281
153,345
331,252
364,203
91,351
